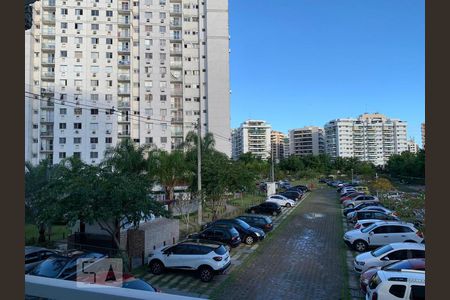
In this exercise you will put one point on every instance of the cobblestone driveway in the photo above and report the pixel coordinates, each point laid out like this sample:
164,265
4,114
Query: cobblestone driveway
304,260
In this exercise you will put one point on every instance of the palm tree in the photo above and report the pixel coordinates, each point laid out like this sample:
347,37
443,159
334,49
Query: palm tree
169,169
126,157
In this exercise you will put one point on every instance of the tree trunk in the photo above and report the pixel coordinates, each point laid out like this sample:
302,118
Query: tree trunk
41,238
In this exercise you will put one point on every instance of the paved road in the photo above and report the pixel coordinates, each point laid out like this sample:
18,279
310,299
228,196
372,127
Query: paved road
302,261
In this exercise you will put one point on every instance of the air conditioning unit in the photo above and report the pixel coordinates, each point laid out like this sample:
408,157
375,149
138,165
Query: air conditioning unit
94,32
63,31
94,46
78,60
78,74
109,47
76,131
78,32
162,20
94,18
95,4
148,75
108,75
109,19
108,61
94,88
78,46
108,131
148,118
78,17
93,132
94,75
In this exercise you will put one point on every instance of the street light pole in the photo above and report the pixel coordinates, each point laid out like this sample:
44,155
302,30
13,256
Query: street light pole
199,173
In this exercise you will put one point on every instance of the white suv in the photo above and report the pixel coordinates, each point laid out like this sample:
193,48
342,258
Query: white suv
382,233
405,284
388,254
281,200
206,257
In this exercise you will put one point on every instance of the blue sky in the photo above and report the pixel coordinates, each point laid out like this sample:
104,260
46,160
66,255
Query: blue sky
304,62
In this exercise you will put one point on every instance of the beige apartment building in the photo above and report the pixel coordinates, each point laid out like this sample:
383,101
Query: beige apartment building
279,145
252,136
306,141
100,71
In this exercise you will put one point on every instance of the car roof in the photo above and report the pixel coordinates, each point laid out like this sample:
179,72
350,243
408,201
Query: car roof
31,249
201,242
395,223
412,276
412,246
254,216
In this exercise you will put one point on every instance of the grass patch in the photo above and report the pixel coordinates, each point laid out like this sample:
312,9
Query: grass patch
233,275
59,232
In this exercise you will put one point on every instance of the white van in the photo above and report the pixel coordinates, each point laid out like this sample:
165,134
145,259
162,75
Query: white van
404,284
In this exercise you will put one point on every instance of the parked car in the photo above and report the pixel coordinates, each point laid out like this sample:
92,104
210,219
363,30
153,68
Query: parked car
408,264
226,235
359,199
407,284
259,221
362,189
366,223
346,190
206,258
63,267
387,254
281,200
323,180
248,234
382,233
360,206
293,195
304,188
271,208
352,215
349,196
372,214
35,255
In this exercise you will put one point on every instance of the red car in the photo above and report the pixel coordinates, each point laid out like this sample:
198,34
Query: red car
409,264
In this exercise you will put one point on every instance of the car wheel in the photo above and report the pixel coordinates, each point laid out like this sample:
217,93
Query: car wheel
156,267
249,240
288,205
360,245
253,211
206,274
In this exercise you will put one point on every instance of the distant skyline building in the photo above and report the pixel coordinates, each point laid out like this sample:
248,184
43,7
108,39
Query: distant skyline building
412,146
98,72
252,136
370,137
278,143
308,140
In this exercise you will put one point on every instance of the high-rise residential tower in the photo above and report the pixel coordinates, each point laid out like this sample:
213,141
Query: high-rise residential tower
278,145
104,70
423,135
370,137
252,136
306,141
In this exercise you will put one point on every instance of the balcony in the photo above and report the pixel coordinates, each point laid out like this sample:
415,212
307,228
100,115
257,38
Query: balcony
123,77
124,63
47,133
123,133
48,47
123,104
48,19
123,91
176,91
175,38
124,22
175,11
124,35
47,90
123,49
47,149
176,64
175,24
49,4
124,9
48,31
48,61
48,76
177,119
175,51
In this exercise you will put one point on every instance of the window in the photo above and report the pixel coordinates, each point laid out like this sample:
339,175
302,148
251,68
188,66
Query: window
163,126
417,253
148,111
63,53
94,140
95,26
63,25
148,28
162,2
109,83
94,155
163,97
109,27
64,11
77,154
94,41
163,84
108,97
78,12
78,40
94,111
77,140
78,26
94,82
163,112
108,140
93,126
62,154
162,56
163,139
63,111
398,290
148,83
62,140
109,55
398,255
381,230
62,125
417,292
94,55
94,69
148,55
149,140
76,125
94,97
77,111
148,42
109,13
78,54
109,41
94,13
148,15
64,39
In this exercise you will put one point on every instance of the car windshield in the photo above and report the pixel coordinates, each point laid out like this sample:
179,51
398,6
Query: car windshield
382,250
138,285
368,228
50,267
242,224
234,232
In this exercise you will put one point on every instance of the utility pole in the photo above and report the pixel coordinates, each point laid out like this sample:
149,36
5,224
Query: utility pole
272,170
352,175
199,171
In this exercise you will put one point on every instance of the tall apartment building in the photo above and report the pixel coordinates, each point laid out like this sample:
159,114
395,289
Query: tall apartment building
412,146
370,137
278,145
105,70
306,141
423,135
252,136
